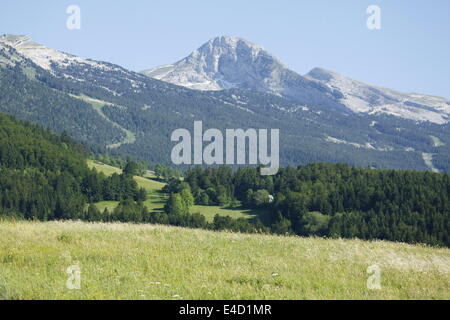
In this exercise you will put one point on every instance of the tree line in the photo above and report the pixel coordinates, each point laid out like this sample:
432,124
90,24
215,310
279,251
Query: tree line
335,200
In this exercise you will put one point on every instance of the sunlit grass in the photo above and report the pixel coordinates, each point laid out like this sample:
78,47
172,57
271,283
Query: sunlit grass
150,185
149,182
234,212
101,167
110,205
126,261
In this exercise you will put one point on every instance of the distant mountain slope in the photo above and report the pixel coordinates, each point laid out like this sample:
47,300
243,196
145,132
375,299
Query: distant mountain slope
44,57
107,105
365,98
23,96
230,62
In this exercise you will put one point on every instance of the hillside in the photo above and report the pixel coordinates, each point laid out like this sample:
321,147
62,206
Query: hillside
40,173
125,261
24,97
45,177
109,107
155,199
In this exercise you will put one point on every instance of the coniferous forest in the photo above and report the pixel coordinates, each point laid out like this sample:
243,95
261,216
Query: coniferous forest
336,200
45,177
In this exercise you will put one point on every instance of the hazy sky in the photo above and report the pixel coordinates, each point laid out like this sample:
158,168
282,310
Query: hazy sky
411,52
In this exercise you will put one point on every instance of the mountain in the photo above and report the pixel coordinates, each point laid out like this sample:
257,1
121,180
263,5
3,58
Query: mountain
26,93
224,63
364,98
112,109
230,62
44,57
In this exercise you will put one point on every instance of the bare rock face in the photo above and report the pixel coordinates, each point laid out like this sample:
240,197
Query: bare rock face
230,62
221,63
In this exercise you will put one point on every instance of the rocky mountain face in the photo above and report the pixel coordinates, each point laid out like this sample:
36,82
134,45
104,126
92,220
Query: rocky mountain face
223,63
230,62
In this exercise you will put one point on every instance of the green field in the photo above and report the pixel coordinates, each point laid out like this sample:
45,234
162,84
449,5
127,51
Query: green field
101,167
156,200
238,212
126,261
110,205
149,183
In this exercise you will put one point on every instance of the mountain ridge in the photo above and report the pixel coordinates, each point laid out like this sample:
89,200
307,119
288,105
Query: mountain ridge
232,62
103,103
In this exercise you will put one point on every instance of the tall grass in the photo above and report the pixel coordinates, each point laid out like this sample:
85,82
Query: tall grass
126,261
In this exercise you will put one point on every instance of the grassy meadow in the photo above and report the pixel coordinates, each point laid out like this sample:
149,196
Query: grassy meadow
156,200
129,261
126,261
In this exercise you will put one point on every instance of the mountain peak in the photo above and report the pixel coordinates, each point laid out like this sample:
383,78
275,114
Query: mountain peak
322,74
223,62
19,42
236,46
38,53
12,38
231,41
227,62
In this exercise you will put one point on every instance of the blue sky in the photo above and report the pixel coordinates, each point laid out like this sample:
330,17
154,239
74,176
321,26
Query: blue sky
410,53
